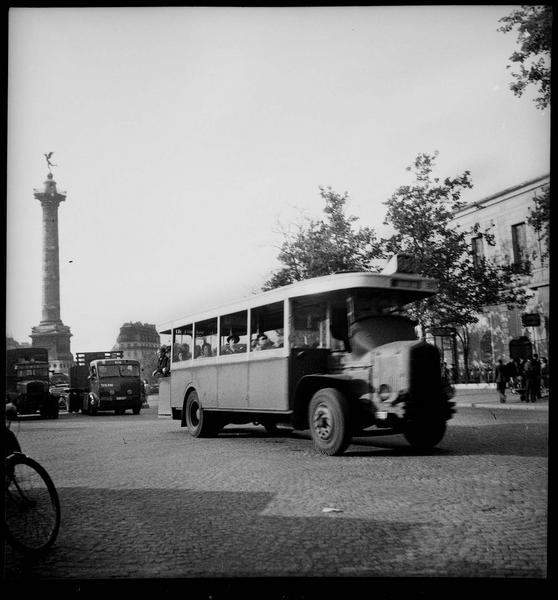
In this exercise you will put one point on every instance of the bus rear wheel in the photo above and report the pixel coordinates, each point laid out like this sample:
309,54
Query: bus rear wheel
198,421
328,416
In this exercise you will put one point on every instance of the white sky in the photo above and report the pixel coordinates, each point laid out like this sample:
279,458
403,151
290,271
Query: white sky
183,136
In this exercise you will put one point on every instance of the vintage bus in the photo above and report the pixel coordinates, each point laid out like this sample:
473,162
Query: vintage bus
27,382
334,354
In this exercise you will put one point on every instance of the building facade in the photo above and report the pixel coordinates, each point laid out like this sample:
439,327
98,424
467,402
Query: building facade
502,332
139,341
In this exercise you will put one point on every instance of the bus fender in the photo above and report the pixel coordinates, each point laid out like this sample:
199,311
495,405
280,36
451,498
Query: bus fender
189,389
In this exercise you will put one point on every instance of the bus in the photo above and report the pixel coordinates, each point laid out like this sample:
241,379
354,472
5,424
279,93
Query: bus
335,354
27,382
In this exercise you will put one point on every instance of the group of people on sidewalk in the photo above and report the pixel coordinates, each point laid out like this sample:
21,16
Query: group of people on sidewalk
527,377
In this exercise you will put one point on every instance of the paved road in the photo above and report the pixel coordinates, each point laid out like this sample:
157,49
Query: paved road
142,499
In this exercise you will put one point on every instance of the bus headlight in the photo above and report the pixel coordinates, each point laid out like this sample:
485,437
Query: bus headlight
112,392
384,392
129,392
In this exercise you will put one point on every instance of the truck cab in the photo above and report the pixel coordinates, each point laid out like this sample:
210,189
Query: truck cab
113,384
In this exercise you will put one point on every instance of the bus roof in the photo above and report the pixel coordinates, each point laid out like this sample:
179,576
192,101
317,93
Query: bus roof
404,282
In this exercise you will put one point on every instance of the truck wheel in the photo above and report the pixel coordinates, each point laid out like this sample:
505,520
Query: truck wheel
328,416
198,421
424,435
136,410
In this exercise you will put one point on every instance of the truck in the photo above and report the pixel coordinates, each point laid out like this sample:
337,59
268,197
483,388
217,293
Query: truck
27,382
105,381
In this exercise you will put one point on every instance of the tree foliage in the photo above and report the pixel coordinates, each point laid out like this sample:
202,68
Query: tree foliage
420,215
330,245
534,30
539,219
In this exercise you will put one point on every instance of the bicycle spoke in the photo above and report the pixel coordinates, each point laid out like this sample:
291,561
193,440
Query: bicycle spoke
32,510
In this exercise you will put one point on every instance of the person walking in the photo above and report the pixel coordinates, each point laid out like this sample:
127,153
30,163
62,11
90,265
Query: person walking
531,374
511,373
501,378
520,364
544,376
537,378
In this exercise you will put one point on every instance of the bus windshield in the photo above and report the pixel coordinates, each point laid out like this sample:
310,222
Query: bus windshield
118,371
377,302
32,371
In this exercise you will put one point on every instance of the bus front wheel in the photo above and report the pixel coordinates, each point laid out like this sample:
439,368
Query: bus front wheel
424,436
199,422
328,416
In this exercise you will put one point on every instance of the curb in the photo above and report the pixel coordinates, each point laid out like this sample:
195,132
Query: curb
502,406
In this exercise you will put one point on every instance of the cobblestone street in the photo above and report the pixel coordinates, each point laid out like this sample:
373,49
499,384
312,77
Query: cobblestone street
142,499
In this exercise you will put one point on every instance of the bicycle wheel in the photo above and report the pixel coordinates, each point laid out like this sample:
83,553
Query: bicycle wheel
32,506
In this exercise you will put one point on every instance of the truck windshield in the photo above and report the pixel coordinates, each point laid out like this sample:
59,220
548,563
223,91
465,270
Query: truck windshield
119,371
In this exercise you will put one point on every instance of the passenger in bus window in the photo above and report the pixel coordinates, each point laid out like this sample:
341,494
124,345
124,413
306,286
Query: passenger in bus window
263,342
279,341
206,349
184,352
232,345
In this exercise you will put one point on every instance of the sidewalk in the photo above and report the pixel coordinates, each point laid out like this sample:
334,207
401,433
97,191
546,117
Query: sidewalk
466,395
475,396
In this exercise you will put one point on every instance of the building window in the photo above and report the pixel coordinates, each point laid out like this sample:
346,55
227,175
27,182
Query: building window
519,244
478,250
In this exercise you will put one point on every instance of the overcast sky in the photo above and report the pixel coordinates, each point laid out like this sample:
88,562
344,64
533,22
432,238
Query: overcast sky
184,136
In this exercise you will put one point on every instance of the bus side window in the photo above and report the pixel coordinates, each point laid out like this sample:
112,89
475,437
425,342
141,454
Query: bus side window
182,343
234,333
308,322
205,337
266,325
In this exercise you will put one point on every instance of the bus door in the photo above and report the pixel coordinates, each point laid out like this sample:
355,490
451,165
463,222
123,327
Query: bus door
268,368
310,338
232,377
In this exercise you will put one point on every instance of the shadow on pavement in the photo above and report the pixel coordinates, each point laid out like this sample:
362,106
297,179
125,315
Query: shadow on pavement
144,533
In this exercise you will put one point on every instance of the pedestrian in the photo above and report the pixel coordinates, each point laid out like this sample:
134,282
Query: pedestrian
511,374
537,378
163,362
544,376
520,366
531,374
454,374
445,373
501,378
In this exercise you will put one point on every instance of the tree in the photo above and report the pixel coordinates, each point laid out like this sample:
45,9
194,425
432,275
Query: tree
534,25
420,215
322,247
539,219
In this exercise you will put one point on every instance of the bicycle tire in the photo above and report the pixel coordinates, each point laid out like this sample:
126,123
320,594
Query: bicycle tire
31,506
